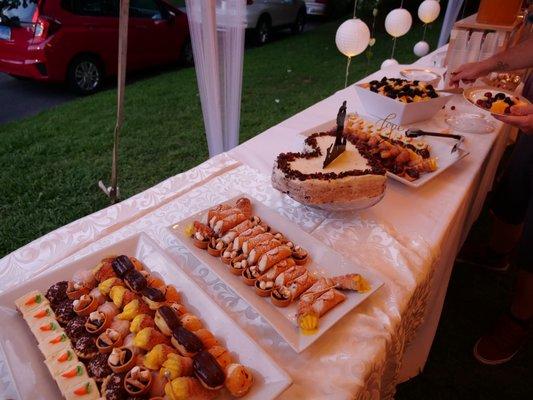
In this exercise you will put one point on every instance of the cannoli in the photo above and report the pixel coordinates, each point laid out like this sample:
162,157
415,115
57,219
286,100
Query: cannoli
300,255
155,298
187,343
250,275
280,296
104,270
191,322
327,301
289,275
57,292
238,264
216,210
222,355
85,390
134,308
229,222
122,265
64,311
155,358
75,328
135,281
301,284
207,338
175,366
219,216
121,326
85,347
108,340
351,282
273,256
215,247
246,235
255,241
166,320
147,338
202,235
138,381
85,305
84,278
277,269
30,302
98,368
208,371
121,359
239,380
236,231
262,248
185,388
245,205
228,254
140,322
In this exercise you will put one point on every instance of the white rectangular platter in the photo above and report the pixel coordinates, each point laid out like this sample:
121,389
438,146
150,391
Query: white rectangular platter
323,262
440,149
25,362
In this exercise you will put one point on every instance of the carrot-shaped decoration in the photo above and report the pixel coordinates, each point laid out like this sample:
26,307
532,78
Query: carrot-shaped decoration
82,391
73,372
42,313
66,356
34,299
58,339
48,327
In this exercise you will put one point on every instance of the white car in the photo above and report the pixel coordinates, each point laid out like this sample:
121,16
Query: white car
263,16
316,7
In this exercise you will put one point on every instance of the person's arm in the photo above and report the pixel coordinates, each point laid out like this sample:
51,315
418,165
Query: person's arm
522,118
517,57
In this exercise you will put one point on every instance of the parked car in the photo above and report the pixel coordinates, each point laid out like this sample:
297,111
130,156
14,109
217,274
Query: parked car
77,40
317,7
263,16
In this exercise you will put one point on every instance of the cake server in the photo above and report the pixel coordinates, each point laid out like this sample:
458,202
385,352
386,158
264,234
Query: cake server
339,146
418,132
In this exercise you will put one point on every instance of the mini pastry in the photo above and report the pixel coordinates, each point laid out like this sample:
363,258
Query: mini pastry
191,322
30,301
167,320
222,355
85,347
75,328
109,309
229,254
351,282
85,305
104,270
157,390
137,264
233,233
213,212
155,358
301,284
265,283
207,338
246,235
64,311
71,377
263,287
113,387
154,281
121,359
57,292
107,340
140,322
134,308
61,361
155,298
238,380
121,296
105,286
289,275
250,275
147,338
273,257
280,296
187,343
185,388
238,264
255,241
262,248
202,235
97,322
84,278
122,265
121,326
172,295
138,381
98,368
98,296
215,247
300,255
86,390
208,371
135,281
75,290
175,366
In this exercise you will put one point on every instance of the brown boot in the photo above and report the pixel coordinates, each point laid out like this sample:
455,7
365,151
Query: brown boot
503,342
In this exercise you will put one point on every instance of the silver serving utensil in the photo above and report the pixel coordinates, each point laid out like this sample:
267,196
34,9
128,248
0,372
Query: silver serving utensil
453,90
418,132
339,146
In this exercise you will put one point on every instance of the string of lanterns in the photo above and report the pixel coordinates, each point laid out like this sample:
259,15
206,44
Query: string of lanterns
353,36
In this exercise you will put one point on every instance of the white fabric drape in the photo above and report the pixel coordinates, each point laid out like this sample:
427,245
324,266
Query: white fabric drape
452,12
217,35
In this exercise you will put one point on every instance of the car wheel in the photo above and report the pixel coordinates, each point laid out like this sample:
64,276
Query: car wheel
186,54
262,31
299,24
85,74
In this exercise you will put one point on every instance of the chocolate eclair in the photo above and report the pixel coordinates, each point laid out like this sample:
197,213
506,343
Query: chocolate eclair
135,281
187,343
167,320
64,311
85,347
98,367
122,265
208,371
75,328
153,297
57,293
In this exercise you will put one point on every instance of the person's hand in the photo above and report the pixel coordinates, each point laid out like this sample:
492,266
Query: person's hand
521,117
468,73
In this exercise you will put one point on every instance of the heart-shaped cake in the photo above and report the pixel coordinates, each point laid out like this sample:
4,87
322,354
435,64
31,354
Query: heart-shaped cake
355,179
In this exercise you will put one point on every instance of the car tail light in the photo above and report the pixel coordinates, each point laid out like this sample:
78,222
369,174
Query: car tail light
46,27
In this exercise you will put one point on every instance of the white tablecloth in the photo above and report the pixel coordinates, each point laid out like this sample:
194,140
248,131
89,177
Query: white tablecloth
410,239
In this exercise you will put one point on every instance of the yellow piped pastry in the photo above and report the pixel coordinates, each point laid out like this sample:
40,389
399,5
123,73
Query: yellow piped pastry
176,366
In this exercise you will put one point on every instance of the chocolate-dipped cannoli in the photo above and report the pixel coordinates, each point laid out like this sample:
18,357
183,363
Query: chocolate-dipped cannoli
166,320
135,281
239,380
122,265
138,381
85,347
85,305
253,242
98,368
57,293
155,298
175,366
262,248
187,343
121,359
246,235
273,257
208,371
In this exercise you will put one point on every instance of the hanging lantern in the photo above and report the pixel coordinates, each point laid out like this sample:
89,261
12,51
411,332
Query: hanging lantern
428,11
352,37
421,48
398,22
389,63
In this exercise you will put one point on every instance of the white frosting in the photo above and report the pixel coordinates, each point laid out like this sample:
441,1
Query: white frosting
351,159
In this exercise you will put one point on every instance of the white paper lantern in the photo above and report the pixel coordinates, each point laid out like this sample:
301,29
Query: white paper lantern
389,63
421,48
352,37
398,22
428,11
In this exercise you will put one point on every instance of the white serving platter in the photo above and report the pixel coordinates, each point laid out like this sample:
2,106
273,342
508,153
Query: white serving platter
440,149
474,94
25,362
323,262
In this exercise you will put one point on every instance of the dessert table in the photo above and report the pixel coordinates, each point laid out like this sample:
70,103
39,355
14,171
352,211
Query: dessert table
410,239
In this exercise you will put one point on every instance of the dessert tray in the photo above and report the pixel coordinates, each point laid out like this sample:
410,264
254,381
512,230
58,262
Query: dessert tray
127,321
283,275
437,152
495,101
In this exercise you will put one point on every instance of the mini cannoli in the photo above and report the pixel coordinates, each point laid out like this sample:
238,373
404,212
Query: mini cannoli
166,319
208,371
229,222
202,235
104,270
220,215
262,248
301,284
98,368
97,322
250,275
186,342
246,235
239,380
138,381
75,290
121,326
351,282
289,275
280,296
245,205
155,358
252,242
236,231
276,270
215,247
216,210
327,301
300,255
238,264
175,366
147,338
273,256
98,296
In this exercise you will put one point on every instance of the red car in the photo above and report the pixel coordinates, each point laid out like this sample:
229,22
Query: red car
77,40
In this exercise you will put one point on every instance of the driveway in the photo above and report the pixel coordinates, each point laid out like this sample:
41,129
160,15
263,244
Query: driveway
21,99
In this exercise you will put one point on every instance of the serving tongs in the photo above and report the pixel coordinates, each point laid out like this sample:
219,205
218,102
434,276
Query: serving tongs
339,146
411,133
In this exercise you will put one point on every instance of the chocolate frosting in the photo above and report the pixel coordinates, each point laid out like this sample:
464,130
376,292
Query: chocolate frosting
114,388
187,339
207,369
135,280
86,344
57,292
153,294
170,317
98,366
75,328
122,265
64,311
